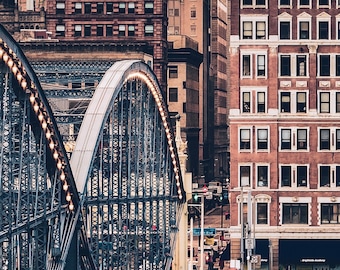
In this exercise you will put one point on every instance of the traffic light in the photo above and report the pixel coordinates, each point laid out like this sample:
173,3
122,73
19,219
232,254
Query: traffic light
205,189
195,197
220,198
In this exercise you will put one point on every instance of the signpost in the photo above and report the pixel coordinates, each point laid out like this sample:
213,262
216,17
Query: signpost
206,231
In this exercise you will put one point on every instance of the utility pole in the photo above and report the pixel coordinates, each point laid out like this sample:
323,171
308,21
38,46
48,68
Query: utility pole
250,240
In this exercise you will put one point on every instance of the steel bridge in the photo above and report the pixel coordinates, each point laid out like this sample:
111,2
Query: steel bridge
111,201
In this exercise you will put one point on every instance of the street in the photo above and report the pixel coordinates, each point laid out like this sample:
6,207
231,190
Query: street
216,219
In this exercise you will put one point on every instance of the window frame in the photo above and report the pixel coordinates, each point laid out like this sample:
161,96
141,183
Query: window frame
261,67
324,65
173,71
245,139
149,30
246,65
148,10
289,5
321,5
324,135
304,5
173,94
296,136
332,217
245,175
253,100
285,65
262,209
249,27
265,181
262,140
323,30
301,209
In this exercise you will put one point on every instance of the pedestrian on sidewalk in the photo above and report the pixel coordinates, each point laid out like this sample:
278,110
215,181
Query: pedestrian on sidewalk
210,262
221,263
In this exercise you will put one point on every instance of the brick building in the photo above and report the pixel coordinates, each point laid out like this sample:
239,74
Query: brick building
285,133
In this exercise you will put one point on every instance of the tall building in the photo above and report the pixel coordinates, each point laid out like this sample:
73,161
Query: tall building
284,133
113,26
206,23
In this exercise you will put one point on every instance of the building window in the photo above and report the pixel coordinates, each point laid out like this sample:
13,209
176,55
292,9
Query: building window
330,213
77,30
109,8
193,30
262,139
100,8
295,213
324,65
284,2
285,65
337,65
260,30
261,102
284,30
131,30
131,7
173,94
260,2
109,30
121,30
60,8
301,176
286,176
193,13
337,176
121,7
87,30
148,7
301,102
247,30
262,176
100,30
286,139
301,64
246,65
304,30
337,101
325,176
148,30
323,2
246,102
244,139
173,71
323,30
302,139
88,8
285,101
245,176
304,2
337,139
261,67
324,102
247,2
262,213
325,139
77,8
60,30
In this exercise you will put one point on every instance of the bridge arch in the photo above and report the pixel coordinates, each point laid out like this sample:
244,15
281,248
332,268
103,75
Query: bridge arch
127,171
38,193
123,204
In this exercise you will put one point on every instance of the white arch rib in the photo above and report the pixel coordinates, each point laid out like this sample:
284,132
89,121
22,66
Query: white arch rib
94,118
